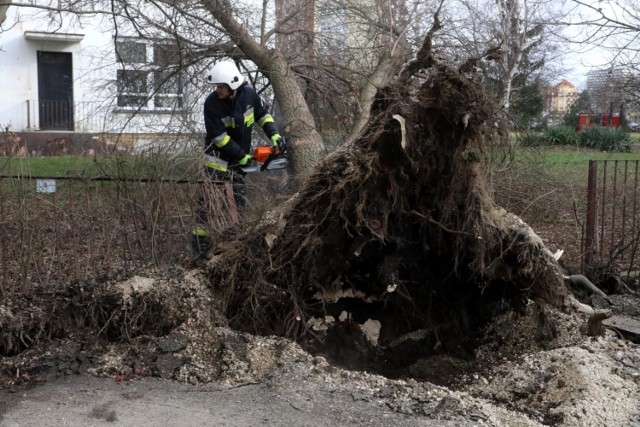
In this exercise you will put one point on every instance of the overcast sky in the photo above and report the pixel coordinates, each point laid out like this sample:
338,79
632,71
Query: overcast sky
581,56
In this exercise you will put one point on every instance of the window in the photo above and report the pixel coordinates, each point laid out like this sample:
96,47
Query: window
148,77
131,52
165,55
168,90
132,88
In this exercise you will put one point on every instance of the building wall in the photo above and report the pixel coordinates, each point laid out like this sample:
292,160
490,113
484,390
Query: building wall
19,64
296,38
94,77
561,97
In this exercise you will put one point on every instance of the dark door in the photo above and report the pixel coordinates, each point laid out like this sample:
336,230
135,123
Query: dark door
55,88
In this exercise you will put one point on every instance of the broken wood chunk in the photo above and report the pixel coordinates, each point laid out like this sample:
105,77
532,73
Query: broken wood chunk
594,324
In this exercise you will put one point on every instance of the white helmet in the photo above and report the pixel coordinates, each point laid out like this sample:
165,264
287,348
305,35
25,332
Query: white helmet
225,72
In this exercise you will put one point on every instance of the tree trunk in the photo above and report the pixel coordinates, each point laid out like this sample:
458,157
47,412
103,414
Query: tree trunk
379,78
3,10
299,123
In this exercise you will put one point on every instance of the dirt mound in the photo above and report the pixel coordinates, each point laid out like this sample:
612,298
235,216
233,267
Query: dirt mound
587,384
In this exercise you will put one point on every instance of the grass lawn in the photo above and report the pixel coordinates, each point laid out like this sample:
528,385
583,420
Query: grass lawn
573,154
50,166
86,166
559,157
551,159
556,168
568,156
547,187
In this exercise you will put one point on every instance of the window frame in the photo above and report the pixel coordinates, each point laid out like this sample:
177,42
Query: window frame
154,83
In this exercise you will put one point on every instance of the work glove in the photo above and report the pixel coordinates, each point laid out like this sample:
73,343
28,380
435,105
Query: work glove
246,164
275,140
246,160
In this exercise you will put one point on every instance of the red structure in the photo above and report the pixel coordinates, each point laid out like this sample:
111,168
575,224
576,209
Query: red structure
585,120
613,121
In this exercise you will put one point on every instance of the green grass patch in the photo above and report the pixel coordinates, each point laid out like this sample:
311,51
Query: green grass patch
554,163
50,166
583,156
563,155
122,166
595,137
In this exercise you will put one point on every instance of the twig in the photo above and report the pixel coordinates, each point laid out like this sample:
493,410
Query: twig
424,57
439,224
106,323
535,200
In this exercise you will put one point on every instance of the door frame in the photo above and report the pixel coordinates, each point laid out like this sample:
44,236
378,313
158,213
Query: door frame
55,90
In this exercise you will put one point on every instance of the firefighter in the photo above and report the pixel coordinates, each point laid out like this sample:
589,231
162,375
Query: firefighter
229,114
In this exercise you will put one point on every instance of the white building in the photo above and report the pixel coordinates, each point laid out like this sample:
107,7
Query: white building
60,72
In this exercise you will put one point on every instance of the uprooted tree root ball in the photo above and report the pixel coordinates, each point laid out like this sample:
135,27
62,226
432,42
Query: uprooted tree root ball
393,234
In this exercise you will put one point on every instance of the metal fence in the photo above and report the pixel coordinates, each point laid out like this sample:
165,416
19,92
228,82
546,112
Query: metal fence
88,116
612,234
62,229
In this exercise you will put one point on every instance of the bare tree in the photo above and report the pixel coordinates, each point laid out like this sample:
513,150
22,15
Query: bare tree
362,44
612,25
613,28
518,37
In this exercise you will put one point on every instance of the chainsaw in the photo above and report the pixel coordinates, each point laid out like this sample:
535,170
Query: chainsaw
272,157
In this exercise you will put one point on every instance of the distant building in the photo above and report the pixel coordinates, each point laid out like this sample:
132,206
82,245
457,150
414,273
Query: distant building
333,36
311,28
614,90
561,97
296,32
605,88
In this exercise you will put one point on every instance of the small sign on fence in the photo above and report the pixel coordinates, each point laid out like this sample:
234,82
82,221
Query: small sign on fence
46,185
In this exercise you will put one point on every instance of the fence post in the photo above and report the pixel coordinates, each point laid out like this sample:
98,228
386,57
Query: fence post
591,213
28,114
3,244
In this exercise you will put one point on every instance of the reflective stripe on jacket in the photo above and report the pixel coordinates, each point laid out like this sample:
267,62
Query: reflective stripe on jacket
214,162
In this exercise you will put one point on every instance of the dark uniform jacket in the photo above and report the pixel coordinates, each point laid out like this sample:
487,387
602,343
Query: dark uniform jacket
228,123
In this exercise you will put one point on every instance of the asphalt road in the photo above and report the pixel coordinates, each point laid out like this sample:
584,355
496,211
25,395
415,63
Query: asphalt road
84,400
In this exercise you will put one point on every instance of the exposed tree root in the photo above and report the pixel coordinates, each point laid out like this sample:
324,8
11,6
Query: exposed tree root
595,327
396,227
110,311
581,280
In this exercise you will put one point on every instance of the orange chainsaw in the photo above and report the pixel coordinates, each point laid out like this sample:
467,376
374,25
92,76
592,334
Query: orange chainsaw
272,157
